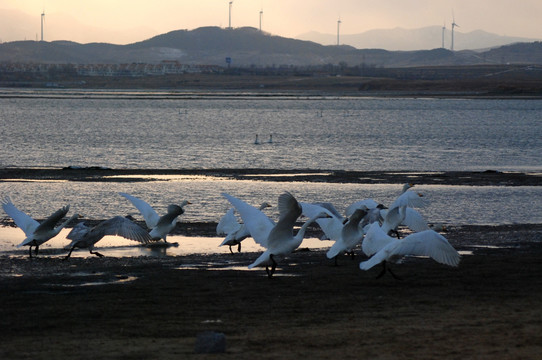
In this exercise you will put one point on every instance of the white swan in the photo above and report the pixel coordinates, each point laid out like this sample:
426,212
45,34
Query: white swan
160,226
361,204
234,231
332,225
401,212
278,239
83,236
36,233
425,243
351,236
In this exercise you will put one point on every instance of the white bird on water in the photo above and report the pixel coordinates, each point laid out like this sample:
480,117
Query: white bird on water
160,226
83,236
234,231
36,233
278,239
425,243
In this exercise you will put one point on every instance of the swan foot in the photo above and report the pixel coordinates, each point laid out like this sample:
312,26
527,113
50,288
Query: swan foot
387,268
394,276
96,253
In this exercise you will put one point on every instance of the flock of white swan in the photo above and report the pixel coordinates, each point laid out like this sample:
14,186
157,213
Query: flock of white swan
366,222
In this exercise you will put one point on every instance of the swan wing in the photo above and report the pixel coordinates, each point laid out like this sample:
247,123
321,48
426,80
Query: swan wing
414,220
148,213
78,231
228,223
49,223
257,223
263,259
375,240
283,231
22,220
377,258
331,226
331,210
428,243
120,226
394,217
410,199
369,203
373,215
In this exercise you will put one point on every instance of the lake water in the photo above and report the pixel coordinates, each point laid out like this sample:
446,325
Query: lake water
163,130
149,130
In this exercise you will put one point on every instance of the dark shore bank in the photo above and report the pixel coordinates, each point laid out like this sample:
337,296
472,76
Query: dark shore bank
472,178
126,308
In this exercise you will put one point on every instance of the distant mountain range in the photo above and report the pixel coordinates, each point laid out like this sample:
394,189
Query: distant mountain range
249,47
415,39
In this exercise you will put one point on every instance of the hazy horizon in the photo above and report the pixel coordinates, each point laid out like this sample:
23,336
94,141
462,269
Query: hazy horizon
123,22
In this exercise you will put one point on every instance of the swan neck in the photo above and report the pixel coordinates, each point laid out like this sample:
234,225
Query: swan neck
303,229
62,225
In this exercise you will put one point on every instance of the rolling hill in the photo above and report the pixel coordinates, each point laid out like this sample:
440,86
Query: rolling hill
248,47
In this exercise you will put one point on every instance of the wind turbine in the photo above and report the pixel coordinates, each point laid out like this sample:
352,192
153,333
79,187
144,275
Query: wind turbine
443,31
338,27
229,27
261,14
453,26
42,19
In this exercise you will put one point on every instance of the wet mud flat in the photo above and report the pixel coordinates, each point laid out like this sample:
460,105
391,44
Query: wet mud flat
474,178
120,308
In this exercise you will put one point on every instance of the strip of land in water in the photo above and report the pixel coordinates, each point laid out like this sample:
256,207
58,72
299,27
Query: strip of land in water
100,174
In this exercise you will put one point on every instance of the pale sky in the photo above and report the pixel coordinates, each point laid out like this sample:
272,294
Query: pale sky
125,21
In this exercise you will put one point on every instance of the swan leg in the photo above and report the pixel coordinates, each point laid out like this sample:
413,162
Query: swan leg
230,249
69,254
273,267
36,249
239,247
96,253
394,276
383,270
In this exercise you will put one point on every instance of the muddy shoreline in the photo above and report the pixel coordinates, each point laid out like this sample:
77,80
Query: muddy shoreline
99,174
144,307
488,307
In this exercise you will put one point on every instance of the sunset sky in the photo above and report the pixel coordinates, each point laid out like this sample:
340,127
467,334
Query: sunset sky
124,21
